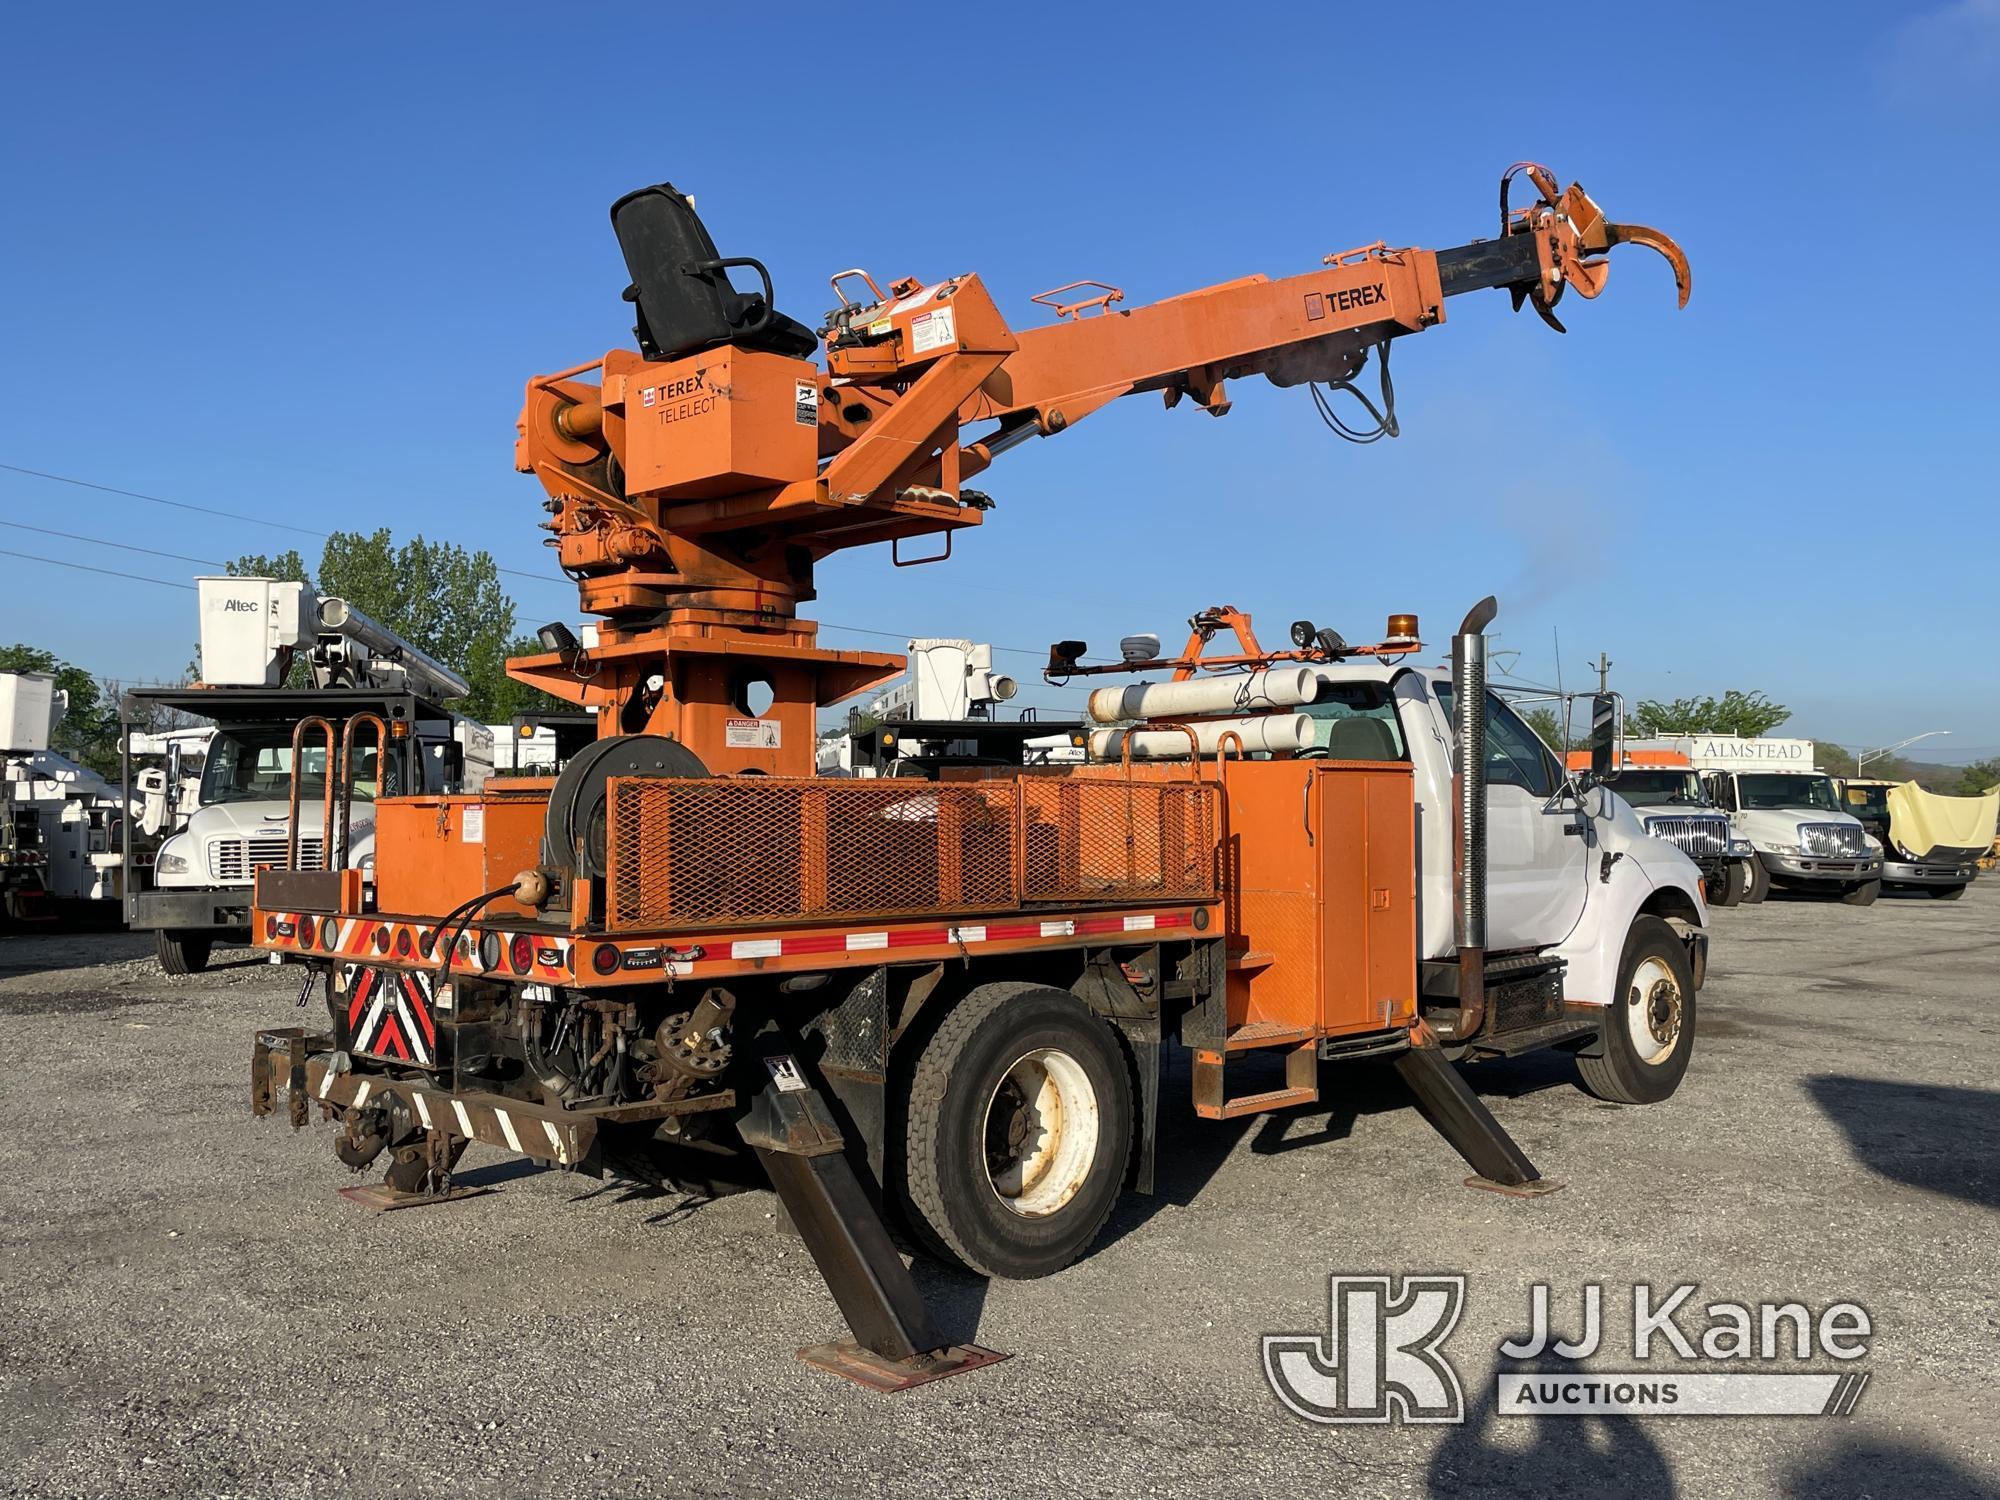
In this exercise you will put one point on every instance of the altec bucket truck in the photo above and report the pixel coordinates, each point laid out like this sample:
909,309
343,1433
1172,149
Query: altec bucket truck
248,810
948,999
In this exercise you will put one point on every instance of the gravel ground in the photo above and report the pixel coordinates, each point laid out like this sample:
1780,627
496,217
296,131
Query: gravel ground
186,1306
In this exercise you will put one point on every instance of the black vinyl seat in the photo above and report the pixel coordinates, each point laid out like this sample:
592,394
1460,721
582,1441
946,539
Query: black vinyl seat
1360,738
681,288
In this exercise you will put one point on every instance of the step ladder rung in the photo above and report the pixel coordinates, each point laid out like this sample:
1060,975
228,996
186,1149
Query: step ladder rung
1257,1104
1255,1034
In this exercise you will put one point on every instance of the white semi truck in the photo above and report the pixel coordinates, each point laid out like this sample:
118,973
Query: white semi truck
1788,810
254,631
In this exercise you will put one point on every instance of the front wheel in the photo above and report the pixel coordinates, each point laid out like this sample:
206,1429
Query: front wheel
1947,892
1756,881
1729,889
182,952
1648,1028
1019,1130
1863,894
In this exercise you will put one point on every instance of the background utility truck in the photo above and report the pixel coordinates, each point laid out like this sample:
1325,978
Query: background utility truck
62,826
1930,843
1673,804
1787,809
946,712
957,991
253,632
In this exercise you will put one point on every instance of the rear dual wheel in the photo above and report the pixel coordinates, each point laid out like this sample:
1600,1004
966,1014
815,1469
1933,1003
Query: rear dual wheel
1019,1129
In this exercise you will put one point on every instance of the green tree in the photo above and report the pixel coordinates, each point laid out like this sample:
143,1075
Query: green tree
1547,723
442,599
1977,777
87,733
1735,712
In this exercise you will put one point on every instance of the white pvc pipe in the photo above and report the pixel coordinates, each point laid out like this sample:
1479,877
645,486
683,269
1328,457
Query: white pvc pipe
1271,732
1277,687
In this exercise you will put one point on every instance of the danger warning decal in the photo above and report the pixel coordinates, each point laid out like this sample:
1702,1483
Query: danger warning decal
389,1015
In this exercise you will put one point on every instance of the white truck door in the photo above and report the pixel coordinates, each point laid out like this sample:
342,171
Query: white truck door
1538,849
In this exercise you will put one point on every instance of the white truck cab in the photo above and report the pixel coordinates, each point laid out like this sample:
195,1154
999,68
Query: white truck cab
253,629
1568,868
1788,810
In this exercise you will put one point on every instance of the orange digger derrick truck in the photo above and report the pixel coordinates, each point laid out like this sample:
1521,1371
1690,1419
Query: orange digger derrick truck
947,1000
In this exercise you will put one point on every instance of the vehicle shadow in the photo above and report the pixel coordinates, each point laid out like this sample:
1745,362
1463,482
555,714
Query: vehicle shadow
1929,1136
1862,1467
1606,1454
1192,1150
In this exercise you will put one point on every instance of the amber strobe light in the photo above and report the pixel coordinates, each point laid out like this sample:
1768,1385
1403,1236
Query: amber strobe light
1402,627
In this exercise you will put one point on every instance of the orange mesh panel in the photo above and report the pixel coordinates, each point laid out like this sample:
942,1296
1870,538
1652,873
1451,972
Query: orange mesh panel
695,853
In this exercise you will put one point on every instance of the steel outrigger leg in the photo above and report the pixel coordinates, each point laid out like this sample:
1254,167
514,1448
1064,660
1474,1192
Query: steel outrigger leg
895,1343
1458,1115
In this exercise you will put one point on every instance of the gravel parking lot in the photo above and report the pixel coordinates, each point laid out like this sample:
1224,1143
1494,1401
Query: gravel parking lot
186,1306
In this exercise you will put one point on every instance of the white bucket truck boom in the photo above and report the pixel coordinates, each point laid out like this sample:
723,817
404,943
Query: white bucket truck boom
1787,809
258,635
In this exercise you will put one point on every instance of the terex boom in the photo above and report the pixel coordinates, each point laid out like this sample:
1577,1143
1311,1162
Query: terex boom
951,997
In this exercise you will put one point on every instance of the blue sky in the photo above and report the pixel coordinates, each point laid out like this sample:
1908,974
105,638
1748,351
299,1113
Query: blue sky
298,261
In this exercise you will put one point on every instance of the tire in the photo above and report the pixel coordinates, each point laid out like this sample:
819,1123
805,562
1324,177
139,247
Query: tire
981,1183
182,952
1756,881
1947,892
1863,894
1733,884
1627,1072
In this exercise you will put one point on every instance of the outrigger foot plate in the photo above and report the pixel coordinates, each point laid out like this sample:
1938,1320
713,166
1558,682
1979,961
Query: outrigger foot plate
880,1373
382,1199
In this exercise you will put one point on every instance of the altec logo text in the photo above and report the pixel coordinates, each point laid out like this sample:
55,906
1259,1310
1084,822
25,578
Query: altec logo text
1382,1358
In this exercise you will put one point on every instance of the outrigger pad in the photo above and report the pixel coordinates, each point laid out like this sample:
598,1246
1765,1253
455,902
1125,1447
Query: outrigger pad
382,1198
879,1373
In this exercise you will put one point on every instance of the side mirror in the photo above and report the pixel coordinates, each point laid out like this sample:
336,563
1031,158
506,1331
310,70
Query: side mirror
1603,734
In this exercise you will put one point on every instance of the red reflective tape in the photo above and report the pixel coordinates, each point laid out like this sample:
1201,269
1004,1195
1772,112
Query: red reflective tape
1007,931
818,942
920,937
417,1008
391,1039
361,989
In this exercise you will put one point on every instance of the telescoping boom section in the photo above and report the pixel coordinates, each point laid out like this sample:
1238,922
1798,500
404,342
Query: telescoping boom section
946,997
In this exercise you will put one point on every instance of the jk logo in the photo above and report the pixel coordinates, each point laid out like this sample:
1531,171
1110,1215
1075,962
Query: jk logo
1379,1361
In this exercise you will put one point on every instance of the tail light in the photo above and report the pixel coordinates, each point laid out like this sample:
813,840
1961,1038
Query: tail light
308,932
520,953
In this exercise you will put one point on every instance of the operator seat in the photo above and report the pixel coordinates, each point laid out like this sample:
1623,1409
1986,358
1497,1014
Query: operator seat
681,286
1361,738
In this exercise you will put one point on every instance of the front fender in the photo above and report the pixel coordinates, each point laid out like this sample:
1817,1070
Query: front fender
1652,879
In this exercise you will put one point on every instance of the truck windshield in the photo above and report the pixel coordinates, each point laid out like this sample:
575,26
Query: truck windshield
1657,788
255,765
1863,800
1766,790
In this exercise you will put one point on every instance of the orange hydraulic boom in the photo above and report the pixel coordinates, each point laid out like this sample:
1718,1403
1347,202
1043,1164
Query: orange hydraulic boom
697,481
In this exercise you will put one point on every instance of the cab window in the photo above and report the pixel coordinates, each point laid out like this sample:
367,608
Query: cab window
1355,721
1515,754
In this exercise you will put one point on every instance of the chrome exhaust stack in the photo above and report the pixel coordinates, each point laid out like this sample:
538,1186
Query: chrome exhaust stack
1468,866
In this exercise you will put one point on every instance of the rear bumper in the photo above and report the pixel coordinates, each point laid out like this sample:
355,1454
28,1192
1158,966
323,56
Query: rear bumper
181,911
1803,867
